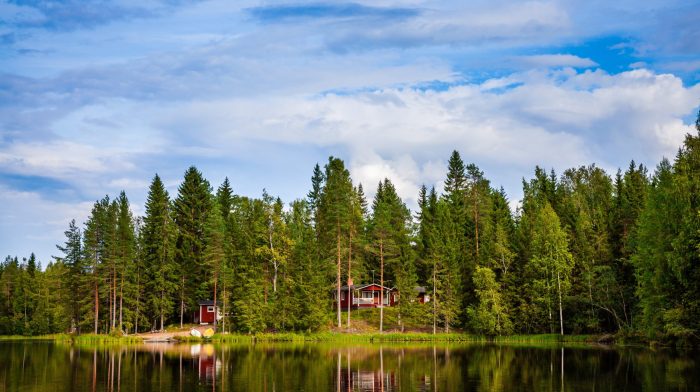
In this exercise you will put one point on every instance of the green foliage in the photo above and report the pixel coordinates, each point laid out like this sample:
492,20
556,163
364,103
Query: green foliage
667,261
489,316
333,218
190,211
618,254
157,253
551,261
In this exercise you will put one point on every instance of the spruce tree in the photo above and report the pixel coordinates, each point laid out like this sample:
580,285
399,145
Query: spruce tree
72,280
314,196
125,248
444,255
225,200
158,251
98,236
214,255
190,211
307,271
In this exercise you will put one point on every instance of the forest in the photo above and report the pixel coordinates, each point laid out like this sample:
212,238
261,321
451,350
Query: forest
585,252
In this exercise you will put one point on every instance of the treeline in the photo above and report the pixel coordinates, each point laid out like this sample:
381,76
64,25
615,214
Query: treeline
584,253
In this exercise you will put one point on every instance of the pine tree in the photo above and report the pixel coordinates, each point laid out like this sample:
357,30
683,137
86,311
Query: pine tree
333,218
98,236
391,243
479,231
479,206
356,241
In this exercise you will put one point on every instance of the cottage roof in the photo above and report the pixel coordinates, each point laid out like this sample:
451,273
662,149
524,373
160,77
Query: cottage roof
419,290
363,286
209,302
374,284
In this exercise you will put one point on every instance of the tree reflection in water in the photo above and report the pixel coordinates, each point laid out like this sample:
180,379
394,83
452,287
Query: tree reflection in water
41,366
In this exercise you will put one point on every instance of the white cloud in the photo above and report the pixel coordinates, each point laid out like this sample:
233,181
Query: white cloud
35,223
554,119
104,108
558,60
62,159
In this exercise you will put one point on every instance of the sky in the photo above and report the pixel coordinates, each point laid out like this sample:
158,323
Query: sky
99,96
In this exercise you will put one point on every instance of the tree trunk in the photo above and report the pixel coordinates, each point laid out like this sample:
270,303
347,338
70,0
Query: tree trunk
381,284
223,318
114,298
561,314
476,223
274,262
110,281
162,311
121,303
97,306
138,298
182,301
337,298
349,276
216,306
434,300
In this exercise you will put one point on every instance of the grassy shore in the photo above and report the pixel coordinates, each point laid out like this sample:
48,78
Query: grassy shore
391,337
359,337
77,339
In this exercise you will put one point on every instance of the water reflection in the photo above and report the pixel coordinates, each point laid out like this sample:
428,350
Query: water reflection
362,377
325,367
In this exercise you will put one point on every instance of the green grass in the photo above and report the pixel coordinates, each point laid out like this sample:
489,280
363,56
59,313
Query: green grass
77,339
93,338
52,337
364,337
547,338
389,337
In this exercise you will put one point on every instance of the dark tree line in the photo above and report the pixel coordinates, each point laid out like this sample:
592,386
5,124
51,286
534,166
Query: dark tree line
585,252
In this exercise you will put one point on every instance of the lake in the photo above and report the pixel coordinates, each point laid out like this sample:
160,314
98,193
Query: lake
54,367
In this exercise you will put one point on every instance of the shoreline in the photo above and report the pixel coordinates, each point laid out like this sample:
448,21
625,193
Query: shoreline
364,337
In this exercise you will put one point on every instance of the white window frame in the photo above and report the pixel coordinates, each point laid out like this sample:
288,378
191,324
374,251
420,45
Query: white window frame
210,309
368,294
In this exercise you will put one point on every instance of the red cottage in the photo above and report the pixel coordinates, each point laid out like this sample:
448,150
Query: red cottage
367,296
207,311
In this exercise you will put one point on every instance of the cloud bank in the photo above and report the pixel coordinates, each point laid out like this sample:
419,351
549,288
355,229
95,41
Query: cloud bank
101,100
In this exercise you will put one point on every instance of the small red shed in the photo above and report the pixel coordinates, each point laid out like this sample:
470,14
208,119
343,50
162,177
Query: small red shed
207,311
421,295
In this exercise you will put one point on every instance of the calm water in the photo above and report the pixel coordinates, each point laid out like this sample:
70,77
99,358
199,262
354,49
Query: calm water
41,366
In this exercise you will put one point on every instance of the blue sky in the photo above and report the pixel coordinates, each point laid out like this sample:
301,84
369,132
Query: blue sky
97,96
